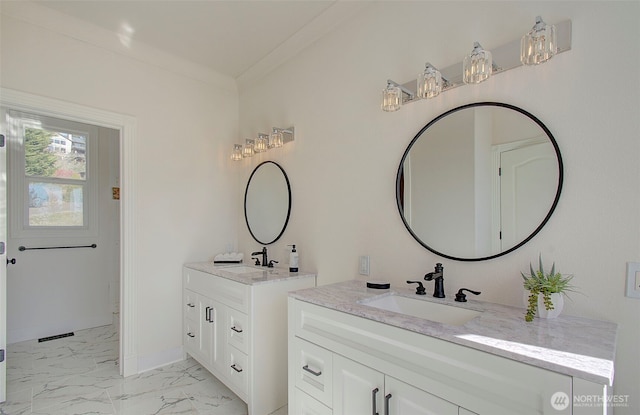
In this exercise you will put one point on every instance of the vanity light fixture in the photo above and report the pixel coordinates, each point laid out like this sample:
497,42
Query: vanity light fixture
430,82
477,66
281,136
247,151
539,44
393,96
237,152
544,41
264,142
276,139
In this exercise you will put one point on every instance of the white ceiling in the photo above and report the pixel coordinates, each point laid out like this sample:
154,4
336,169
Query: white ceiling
229,37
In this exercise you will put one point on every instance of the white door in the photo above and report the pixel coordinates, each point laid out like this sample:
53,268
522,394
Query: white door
528,185
358,389
3,270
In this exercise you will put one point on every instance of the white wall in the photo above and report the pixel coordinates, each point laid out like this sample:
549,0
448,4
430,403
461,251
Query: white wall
185,127
343,163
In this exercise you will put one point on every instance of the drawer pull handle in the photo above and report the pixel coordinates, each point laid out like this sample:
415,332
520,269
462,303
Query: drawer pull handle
237,369
237,330
373,401
386,404
313,372
191,335
207,314
191,305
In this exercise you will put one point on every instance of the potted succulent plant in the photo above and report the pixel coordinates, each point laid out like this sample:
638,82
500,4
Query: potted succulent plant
546,291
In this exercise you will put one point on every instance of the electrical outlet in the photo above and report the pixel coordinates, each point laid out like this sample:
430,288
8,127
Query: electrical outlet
364,265
633,279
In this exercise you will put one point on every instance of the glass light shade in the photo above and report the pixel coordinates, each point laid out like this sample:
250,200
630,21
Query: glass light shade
391,98
237,152
539,44
247,151
429,82
276,139
477,66
262,143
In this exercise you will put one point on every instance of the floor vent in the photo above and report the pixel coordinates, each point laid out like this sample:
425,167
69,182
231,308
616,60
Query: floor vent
57,336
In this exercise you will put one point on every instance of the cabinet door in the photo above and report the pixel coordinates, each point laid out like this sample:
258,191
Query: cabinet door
357,389
212,337
404,399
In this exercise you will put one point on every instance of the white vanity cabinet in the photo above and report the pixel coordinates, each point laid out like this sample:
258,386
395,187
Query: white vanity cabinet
359,389
236,327
329,383
344,364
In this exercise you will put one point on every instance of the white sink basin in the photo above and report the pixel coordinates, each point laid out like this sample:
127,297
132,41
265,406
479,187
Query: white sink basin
441,313
241,269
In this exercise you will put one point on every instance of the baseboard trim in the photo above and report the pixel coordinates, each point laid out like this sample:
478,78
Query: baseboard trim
163,358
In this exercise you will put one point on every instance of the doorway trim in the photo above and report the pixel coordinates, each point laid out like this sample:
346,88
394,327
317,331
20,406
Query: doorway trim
127,126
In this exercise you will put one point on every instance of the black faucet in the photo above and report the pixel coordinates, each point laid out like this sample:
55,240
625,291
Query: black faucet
265,261
438,276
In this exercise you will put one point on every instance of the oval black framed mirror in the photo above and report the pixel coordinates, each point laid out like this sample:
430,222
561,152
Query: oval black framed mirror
267,202
479,181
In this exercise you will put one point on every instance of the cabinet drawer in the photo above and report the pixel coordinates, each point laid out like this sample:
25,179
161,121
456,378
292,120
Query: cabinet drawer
313,369
237,370
303,404
237,330
191,337
228,292
190,303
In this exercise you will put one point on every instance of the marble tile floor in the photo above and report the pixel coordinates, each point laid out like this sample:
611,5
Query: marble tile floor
79,375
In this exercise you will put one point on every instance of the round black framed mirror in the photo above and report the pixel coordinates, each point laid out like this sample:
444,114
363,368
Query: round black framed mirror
479,181
267,202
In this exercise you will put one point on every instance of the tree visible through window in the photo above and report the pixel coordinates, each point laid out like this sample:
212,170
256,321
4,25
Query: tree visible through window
55,170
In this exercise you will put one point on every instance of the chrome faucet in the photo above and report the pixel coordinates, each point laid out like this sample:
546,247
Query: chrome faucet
438,277
265,261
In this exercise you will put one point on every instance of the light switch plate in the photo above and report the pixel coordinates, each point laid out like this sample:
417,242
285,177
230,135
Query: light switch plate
364,265
633,279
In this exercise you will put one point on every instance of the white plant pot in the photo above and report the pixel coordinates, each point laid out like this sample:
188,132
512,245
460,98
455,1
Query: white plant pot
557,300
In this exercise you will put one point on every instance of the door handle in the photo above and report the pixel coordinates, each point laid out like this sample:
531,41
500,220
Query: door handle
386,404
373,401
237,330
206,314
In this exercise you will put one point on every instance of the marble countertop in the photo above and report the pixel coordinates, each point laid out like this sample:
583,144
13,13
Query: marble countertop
570,345
251,275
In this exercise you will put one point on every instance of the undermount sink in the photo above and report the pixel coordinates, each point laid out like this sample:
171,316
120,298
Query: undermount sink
441,313
241,269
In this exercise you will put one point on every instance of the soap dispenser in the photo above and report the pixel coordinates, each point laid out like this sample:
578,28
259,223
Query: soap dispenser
293,259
